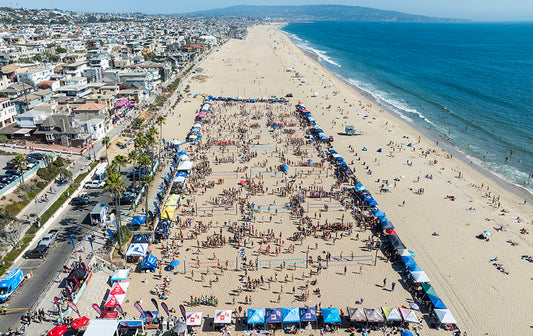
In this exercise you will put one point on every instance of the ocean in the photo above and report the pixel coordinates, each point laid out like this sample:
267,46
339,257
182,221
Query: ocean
467,84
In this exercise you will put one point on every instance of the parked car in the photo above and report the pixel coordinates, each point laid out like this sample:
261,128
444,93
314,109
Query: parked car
94,184
37,253
49,238
30,163
124,200
79,201
134,189
61,181
13,172
37,156
6,179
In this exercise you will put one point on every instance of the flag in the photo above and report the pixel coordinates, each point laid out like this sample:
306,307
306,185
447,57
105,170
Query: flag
116,225
76,280
73,307
139,308
90,242
119,308
97,308
168,216
165,308
155,304
150,213
71,241
110,233
56,300
84,267
68,290
182,309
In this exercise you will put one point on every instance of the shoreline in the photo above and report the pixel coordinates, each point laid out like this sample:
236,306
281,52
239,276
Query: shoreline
439,141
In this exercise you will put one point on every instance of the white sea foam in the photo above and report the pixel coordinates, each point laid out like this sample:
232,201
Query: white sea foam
304,44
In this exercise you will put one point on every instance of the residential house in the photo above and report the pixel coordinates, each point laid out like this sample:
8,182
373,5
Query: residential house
31,119
7,112
89,111
16,90
73,58
95,127
62,130
74,90
33,76
4,82
75,69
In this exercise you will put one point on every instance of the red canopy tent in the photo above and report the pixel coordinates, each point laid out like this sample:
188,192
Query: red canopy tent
109,314
117,289
111,303
58,330
391,232
80,322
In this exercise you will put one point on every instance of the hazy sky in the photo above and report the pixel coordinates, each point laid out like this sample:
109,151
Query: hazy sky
468,9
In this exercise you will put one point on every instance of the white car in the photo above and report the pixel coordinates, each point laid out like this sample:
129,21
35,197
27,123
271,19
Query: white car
94,184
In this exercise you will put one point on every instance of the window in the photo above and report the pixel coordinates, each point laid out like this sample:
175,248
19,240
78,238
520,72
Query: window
49,137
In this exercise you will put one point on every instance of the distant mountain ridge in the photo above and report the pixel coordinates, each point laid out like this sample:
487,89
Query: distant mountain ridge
320,13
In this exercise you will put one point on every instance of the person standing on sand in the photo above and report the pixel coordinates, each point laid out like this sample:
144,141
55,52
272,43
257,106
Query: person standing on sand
384,282
392,286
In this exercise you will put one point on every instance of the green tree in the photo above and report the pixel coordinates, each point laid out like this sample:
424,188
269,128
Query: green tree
115,185
137,123
61,50
19,163
106,142
161,120
144,162
119,161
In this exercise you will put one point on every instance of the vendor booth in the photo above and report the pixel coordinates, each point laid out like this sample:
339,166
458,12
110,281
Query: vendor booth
149,263
120,275
256,316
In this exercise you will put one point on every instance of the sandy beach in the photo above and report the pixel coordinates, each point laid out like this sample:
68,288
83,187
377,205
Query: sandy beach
440,229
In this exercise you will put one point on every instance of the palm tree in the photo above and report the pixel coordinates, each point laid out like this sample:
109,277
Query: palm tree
161,120
19,163
106,142
115,185
119,161
144,162
150,138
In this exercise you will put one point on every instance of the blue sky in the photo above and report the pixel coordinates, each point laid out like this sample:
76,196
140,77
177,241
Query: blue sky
479,10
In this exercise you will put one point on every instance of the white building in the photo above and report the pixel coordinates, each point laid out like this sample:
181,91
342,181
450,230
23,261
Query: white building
34,76
7,112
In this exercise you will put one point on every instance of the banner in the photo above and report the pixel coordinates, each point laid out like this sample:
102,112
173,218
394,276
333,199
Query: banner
71,241
68,290
155,304
139,308
165,308
97,308
84,267
182,309
90,242
110,233
151,214
76,280
116,225
119,308
73,307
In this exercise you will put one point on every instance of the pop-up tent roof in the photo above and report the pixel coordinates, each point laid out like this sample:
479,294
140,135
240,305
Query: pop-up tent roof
356,314
408,315
137,250
359,186
256,315
331,315
222,316
140,220
378,213
194,319
436,302
101,327
395,242
369,199
291,315
373,315
273,315
119,288
308,314
391,314
408,260
420,276
150,261
445,316
185,165
428,289
120,275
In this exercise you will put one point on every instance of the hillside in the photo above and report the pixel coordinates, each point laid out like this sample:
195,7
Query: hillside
319,13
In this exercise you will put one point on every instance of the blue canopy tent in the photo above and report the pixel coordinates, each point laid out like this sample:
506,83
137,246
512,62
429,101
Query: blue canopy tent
181,153
273,315
369,199
360,187
308,314
291,315
413,267
331,315
436,302
408,260
284,168
149,262
378,213
386,224
256,315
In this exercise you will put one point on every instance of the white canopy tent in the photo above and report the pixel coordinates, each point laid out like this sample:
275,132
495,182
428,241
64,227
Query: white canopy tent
102,327
185,165
194,319
445,316
420,276
137,250
222,316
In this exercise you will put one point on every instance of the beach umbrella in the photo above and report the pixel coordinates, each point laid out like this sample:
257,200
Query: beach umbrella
309,160
58,330
174,263
487,233
180,328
